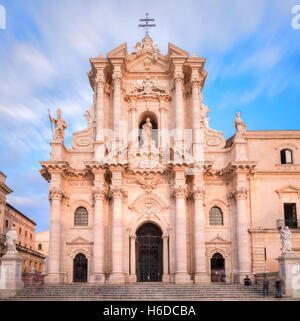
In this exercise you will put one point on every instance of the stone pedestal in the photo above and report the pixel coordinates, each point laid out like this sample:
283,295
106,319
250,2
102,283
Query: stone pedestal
289,271
202,278
11,275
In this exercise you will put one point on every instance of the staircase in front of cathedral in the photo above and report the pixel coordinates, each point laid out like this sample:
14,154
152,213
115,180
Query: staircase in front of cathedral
142,291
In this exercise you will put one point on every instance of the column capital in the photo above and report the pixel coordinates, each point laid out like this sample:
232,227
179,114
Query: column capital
165,237
117,192
99,192
179,191
55,193
117,77
178,77
195,81
198,193
240,193
100,79
132,105
132,237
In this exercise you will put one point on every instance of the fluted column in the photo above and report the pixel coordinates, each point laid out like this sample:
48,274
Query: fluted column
179,122
201,275
181,239
196,103
54,275
132,276
242,231
117,79
117,275
98,275
99,144
166,276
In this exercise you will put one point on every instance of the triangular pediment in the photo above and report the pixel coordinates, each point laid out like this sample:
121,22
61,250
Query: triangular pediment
288,189
119,52
218,240
79,240
176,51
145,62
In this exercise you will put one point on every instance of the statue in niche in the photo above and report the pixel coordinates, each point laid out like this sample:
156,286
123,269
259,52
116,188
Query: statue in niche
239,125
60,124
147,134
286,237
11,237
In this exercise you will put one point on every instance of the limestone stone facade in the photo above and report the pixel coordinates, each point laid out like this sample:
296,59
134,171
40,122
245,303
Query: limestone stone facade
149,192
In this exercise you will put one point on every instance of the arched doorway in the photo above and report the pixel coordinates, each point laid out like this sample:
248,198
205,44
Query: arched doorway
149,253
80,264
217,264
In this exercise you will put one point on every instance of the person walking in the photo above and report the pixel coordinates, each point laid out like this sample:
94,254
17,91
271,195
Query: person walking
266,285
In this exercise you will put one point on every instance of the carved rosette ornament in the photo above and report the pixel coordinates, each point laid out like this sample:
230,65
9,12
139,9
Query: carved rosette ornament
198,193
240,193
179,191
55,193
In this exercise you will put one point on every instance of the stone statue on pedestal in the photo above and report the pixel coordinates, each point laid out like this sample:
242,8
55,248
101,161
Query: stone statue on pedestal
285,237
11,237
60,124
239,126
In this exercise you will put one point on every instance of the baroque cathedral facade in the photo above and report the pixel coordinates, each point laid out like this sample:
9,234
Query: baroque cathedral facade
148,192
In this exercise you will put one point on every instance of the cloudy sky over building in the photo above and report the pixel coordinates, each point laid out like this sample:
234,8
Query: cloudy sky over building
252,55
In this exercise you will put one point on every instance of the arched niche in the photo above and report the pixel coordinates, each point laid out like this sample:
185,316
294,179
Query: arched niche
154,122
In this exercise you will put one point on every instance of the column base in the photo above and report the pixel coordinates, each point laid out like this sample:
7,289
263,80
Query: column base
116,278
98,278
54,278
166,278
183,278
132,278
202,278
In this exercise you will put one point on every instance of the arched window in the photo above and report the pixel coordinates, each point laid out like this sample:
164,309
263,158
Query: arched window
40,246
81,217
286,156
215,216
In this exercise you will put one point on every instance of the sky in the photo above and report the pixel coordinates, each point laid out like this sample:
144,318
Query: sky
253,63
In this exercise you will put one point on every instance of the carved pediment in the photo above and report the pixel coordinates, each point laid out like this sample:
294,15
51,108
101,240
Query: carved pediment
79,240
119,52
176,51
145,62
218,240
288,190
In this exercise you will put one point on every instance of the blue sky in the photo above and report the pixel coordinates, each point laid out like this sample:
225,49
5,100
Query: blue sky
253,64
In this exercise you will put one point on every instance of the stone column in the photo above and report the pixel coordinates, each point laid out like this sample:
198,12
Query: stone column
196,103
54,275
242,232
201,275
117,274
179,122
134,127
182,276
132,276
98,275
117,79
166,275
99,144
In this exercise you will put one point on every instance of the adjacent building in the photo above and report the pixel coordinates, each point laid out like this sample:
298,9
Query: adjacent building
25,227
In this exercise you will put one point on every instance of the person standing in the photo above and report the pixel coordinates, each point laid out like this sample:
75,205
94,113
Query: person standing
279,287
266,285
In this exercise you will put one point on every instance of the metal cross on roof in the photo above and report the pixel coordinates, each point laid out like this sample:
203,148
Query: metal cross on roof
146,25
